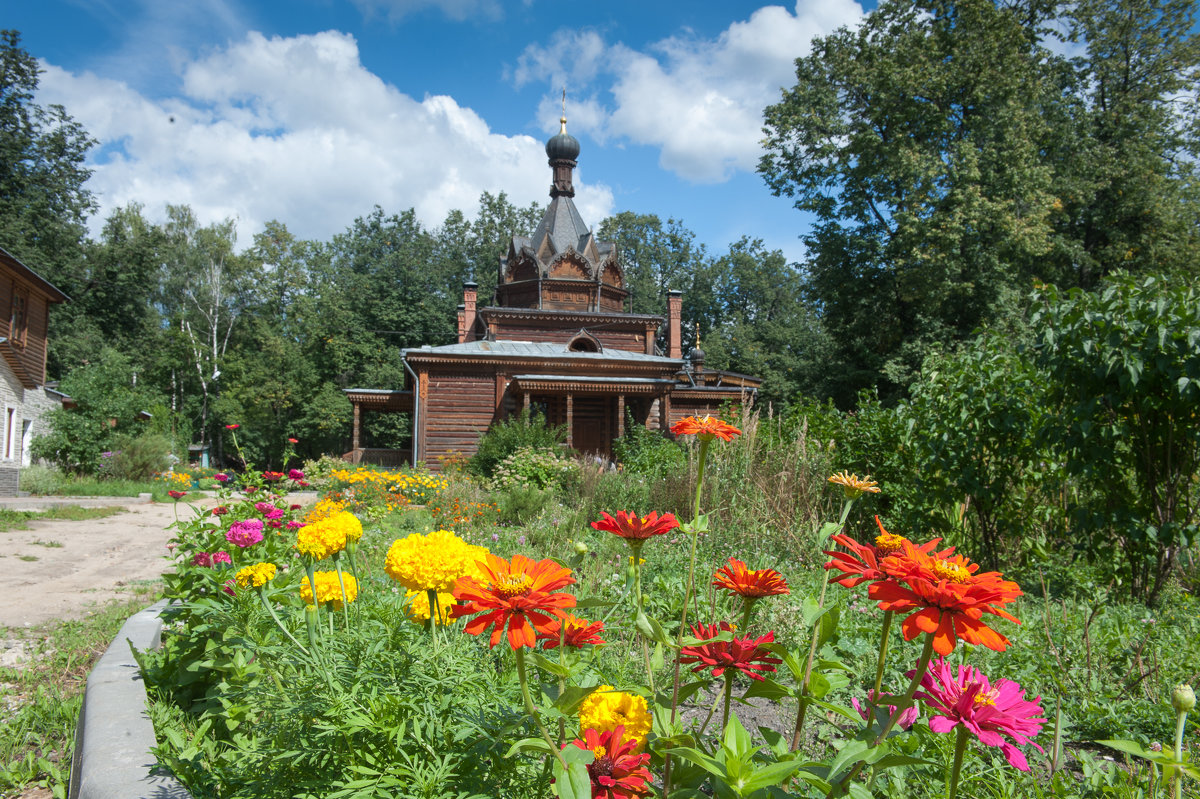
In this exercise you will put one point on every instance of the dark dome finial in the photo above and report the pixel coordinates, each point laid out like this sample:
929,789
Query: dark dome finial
562,150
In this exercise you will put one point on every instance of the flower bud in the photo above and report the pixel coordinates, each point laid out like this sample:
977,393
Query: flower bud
1183,698
581,548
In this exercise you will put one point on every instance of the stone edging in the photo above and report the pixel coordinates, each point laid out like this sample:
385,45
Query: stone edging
114,735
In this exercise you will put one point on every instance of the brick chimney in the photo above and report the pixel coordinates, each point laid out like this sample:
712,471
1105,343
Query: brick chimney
674,334
466,317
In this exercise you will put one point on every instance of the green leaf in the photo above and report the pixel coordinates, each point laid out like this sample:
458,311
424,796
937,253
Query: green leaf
574,783
553,667
650,628
528,745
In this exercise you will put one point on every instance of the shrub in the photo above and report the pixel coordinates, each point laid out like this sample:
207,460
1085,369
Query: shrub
138,458
38,479
538,468
504,438
642,451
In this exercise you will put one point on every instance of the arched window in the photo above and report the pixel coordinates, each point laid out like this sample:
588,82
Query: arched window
584,342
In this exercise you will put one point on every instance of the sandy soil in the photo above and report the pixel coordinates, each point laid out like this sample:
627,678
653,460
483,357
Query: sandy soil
60,569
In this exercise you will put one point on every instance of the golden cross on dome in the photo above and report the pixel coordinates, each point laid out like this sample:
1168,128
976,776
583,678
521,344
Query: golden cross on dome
563,120
697,335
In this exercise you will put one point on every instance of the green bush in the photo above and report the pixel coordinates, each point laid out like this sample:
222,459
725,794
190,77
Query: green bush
39,479
642,451
139,458
504,438
539,468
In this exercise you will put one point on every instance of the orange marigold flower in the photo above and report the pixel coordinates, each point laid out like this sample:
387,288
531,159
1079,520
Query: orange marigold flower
948,596
749,583
520,595
861,563
573,630
632,527
706,428
853,486
617,772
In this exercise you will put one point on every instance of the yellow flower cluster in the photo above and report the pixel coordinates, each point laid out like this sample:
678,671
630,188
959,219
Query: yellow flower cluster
606,709
256,576
418,607
328,536
174,479
432,562
329,592
325,508
402,487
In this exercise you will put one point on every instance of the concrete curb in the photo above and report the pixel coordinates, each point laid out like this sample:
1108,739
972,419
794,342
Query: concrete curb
114,735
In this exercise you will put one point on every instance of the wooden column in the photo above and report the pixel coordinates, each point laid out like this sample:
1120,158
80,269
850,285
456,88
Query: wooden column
620,416
357,426
664,413
570,420
526,405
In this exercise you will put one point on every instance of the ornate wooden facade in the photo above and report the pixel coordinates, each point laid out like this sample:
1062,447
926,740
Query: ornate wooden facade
556,339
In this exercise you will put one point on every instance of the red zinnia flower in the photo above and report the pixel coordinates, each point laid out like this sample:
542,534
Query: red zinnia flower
632,527
518,595
272,477
948,596
706,428
861,564
232,426
220,510
989,711
578,632
176,494
293,441
616,773
749,583
747,655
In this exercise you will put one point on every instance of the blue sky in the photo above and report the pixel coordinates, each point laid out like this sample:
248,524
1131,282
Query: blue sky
313,111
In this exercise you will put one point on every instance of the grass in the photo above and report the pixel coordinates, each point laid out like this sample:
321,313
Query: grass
19,519
40,697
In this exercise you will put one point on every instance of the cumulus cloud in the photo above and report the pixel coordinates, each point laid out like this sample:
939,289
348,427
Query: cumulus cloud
296,129
698,100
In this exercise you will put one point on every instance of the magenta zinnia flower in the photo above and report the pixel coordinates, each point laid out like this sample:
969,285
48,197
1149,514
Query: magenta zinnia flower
990,711
221,557
295,474
747,655
245,534
264,507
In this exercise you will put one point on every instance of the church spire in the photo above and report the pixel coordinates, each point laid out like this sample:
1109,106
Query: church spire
562,150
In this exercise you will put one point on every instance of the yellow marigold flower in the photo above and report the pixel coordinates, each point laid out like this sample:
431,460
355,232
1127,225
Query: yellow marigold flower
418,607
853,486
329,591
256,576
324,509
605,709
326,537
432,562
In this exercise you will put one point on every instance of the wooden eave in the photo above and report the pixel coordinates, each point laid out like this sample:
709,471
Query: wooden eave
13,359
585,385
375,399
36,281
565,364
608,319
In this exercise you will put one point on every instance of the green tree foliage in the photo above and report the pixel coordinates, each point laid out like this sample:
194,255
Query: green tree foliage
950,159
1124,368
107,404
471,248
656,258
43,201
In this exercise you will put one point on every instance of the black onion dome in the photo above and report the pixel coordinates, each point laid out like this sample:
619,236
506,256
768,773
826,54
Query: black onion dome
562,146
696,354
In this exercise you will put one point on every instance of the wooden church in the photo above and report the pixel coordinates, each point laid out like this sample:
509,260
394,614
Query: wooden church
555,339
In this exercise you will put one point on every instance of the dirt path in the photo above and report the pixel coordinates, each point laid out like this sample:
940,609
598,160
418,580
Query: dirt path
60,569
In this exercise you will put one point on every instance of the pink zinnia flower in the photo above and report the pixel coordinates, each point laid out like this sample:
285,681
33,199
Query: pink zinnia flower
275,513
221,477
264,507
867,710
222,557
202,559
232,426
295,474
294,525
275,523
245,534
990,711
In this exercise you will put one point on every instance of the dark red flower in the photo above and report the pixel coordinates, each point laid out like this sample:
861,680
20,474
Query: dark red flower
220,510
616,773
272,477
176,494
295,506
749,583
293,441
747,655
632,527
578,632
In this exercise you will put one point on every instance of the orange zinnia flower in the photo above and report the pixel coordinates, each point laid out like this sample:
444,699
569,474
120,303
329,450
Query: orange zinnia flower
632,527
854,486
861,563
578,632
519,595
706,428
949,597
749,583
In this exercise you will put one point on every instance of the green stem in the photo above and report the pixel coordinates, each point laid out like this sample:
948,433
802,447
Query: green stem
337,565
636,548
711,710
310,621
531,710
802,709
431,595
883,649
1180,720
728,698
747,605
960,746
687,598
263,596
310,569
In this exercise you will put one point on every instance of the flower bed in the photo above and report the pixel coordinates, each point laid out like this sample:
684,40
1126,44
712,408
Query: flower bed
319,658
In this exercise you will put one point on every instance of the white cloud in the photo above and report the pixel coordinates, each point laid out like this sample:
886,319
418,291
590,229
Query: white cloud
699,101
296,129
